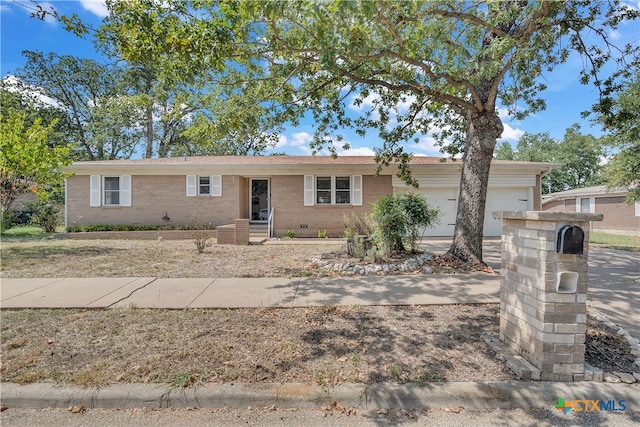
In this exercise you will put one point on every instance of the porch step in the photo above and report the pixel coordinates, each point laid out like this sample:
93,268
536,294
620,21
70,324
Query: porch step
258,233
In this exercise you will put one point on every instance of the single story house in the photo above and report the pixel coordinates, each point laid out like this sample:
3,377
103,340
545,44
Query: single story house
619,216
305,193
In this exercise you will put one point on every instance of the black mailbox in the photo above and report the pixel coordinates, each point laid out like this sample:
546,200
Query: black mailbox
570,240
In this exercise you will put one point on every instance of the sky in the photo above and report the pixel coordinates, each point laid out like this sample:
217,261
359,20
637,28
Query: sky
566,98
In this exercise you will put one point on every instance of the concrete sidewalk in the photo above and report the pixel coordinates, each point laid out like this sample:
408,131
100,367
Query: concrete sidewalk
149,292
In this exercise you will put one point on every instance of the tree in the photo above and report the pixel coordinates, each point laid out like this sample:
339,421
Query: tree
578,154
621,117
447,63
103,117
28,163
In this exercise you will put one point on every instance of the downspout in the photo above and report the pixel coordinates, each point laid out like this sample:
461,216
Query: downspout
65,204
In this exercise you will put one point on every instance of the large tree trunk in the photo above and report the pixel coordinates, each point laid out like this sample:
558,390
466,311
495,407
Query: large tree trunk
483,129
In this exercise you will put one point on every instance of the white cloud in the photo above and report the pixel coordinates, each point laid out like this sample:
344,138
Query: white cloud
300,138
12,84
97,7
357,151
615,35
282,141
511,133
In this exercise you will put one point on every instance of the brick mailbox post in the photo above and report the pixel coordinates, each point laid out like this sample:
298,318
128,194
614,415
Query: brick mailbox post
543,290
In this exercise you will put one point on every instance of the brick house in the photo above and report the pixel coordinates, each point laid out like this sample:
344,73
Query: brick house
619,216
305,193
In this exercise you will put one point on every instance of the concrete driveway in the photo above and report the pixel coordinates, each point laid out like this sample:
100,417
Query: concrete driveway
614,280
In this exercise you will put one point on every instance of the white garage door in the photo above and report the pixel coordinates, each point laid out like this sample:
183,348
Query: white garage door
444,199
498,199
504,199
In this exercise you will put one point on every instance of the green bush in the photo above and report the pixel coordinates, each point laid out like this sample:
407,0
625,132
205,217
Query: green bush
291,234
8,220
46,215
322,234
399,217
127,227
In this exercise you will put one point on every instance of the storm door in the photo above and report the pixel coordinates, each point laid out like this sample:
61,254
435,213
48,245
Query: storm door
259,204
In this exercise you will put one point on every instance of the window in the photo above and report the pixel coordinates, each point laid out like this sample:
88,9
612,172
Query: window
111,190
333,190
343,190
204,187
323,190
585,206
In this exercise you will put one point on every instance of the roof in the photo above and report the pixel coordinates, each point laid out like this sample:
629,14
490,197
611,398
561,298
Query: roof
597,190
276,164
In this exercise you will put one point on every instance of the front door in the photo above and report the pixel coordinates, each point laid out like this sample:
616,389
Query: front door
259,204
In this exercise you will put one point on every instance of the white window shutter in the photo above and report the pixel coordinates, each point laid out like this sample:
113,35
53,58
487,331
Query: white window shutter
125,190
94,197
356,182
216,185
578,206
191,186
592,205
308,190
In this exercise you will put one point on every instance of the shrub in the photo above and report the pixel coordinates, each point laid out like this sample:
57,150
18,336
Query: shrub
46,215
322,234
400,216
358,225
291,234
202,239
8,220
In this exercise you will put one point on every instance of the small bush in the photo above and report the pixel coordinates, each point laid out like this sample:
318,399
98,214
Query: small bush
8,220
400,216
322,234
46,215
291,234
202,239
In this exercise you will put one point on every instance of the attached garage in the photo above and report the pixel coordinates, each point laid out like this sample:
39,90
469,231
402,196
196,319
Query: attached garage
512,186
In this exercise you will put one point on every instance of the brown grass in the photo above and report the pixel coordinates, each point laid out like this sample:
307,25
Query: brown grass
144,258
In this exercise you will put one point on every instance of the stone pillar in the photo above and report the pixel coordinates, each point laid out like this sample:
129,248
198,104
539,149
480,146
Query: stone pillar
242,231
543,292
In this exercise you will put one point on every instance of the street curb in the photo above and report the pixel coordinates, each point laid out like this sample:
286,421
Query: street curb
472,395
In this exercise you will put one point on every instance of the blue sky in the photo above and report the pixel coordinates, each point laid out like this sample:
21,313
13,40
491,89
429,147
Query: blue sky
566,98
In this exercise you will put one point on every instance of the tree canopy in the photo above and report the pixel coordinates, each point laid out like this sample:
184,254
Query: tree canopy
580,156
622,121
28,162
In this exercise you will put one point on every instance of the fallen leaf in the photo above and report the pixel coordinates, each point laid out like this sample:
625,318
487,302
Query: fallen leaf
455,410
49,342
76,409
3,408
229,363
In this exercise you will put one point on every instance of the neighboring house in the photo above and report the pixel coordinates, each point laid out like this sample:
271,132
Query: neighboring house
306,194
619,217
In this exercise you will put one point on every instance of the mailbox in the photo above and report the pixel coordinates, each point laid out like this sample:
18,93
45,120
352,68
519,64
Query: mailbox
570,240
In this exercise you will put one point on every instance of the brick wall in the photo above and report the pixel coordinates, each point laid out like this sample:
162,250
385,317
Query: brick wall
618,215
287,198
152,197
